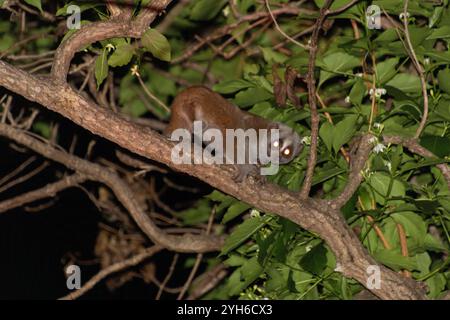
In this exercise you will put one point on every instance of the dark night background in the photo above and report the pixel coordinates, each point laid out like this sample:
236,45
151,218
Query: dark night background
34,246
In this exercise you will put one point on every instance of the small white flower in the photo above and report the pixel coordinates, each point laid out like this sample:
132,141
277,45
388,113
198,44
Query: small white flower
255,213
347,99
308,248
366,173
402,15
379,148
379,92
338,267
426,61
306,140
388,165
377,125
226,11
135,70
359,75
110,47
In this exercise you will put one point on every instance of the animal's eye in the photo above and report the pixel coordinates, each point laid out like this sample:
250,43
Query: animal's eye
276,144
287,152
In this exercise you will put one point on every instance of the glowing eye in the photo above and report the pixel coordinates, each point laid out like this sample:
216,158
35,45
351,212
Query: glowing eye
276,144
287,152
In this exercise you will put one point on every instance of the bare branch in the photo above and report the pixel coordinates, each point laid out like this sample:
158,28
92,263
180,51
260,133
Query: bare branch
120,26
133,261
46,192
419,69
311,82
358,161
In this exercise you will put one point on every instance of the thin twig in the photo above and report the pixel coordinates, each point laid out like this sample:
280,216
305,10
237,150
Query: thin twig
168,276
198,260
419,69
311,82
277,26
133,261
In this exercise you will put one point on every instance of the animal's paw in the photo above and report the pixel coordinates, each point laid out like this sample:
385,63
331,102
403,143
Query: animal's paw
242,171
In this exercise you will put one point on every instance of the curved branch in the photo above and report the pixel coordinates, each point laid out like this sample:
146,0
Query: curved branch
118,26
119,266
45,192
419,69
355,177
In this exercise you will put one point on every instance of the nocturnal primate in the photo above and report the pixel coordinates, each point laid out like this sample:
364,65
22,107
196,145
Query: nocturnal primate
199,103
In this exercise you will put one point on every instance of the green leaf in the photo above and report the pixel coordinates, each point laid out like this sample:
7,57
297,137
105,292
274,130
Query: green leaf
242,277
43,128
335,136
83,7
386,70
35,3
121,56
326,134
344,131
444,80
157,44
315,260
436,284
358,92
440,33
335,4
414,225
232,86
251,97
433,244
406,82
204,10
101,67
324,175
272,56
380,182
336,63
243,232
235,210
395,260
440,146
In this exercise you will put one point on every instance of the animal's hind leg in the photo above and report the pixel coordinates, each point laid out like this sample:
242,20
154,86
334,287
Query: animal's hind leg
182,118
